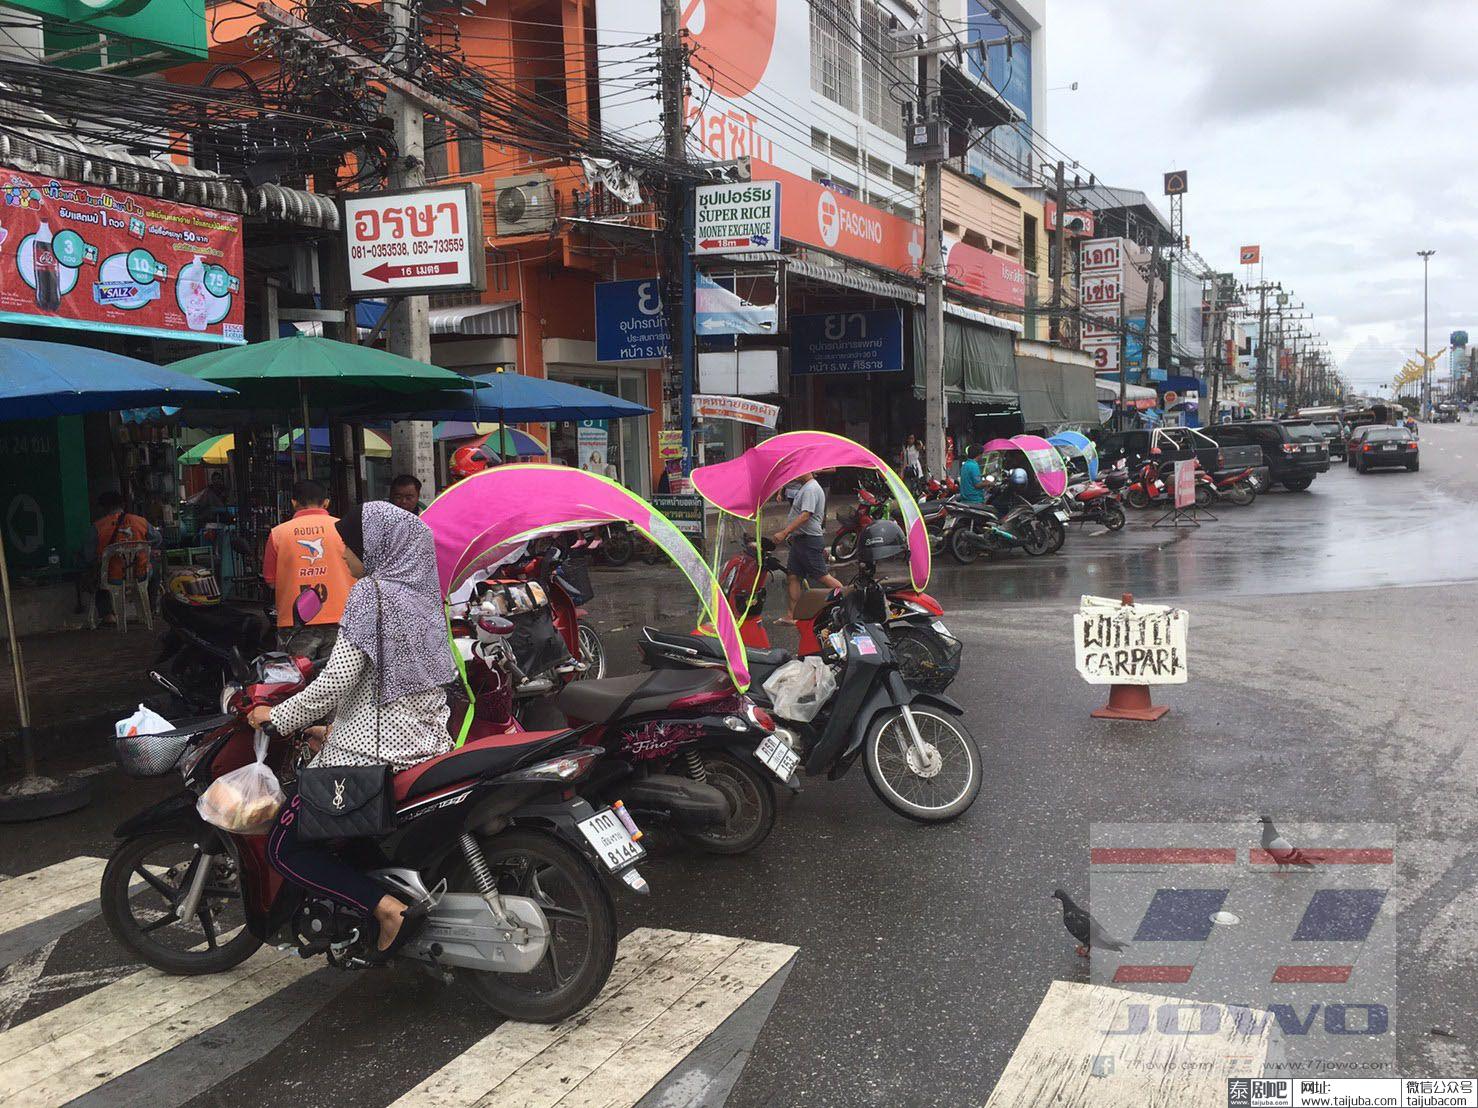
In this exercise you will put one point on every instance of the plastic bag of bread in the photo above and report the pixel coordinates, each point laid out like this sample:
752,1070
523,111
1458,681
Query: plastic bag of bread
244,801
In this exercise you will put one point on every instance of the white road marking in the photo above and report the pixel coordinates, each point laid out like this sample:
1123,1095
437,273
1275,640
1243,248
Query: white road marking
1068,1059
18,982
668,991
33,896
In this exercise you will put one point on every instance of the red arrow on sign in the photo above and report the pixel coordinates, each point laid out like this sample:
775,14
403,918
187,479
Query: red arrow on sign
387,272
714,244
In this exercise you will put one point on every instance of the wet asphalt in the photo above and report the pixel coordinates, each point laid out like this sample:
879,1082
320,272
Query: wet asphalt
1332,679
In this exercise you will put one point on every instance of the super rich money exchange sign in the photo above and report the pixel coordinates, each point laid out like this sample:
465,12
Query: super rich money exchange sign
1138,644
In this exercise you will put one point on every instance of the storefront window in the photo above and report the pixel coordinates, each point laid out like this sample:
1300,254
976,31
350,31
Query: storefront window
613,448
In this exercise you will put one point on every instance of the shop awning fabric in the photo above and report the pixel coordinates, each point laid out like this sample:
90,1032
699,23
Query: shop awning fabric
979,362
1054,392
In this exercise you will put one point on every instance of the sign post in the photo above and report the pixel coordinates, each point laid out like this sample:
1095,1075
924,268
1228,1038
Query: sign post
1129,647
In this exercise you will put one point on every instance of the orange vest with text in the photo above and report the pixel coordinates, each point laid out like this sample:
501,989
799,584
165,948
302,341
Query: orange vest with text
312,581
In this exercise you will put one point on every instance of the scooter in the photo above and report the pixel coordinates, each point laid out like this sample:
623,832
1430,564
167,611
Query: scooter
919,758
1094,502
973,529
679,747
493,839
1152,486
194,662
853,521
1236,488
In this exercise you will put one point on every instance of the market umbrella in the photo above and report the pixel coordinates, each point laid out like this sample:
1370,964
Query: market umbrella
303,369
516,398
209,452
376,445
43,379
507,441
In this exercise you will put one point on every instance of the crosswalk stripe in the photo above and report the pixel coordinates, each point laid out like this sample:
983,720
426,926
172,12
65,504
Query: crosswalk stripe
30,897
1068,1058
668,991
72,1049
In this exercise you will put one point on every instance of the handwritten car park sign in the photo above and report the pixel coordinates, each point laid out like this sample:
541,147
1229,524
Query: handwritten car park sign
1129,644
741,218
415,241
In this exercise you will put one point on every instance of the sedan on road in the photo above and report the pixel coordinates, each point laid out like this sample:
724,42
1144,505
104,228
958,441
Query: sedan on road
1387,446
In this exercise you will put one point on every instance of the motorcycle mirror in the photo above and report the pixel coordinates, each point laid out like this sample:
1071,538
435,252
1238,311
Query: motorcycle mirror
239,667
495,625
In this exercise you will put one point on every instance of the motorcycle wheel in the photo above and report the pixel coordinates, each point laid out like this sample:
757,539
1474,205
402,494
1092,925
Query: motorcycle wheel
844,546
618,546
582,923
1057,532
1203,496
1137,498
945,788
923,660
592,652
1242,494
751,798
1036,538
962,546
143,882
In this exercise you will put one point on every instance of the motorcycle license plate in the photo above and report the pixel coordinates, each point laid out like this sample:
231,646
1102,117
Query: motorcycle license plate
1060,514
777,757
607,833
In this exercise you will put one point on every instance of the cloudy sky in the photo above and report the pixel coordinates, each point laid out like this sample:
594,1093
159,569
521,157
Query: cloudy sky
1341,135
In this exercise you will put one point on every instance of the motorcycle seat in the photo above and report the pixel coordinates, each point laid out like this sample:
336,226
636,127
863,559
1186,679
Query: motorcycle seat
612,698
485,756
708,647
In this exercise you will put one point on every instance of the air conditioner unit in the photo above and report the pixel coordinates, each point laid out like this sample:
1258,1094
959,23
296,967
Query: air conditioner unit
524,205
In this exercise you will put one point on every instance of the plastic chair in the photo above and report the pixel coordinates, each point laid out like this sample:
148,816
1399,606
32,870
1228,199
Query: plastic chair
132,583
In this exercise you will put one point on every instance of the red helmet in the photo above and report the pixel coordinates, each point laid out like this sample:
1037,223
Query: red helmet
470,459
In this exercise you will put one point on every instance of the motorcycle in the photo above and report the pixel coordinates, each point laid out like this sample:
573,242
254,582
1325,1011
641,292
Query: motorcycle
918,756
1236,488
853,521
492,837
1152,486
194,662
677,748
1094,502
973,529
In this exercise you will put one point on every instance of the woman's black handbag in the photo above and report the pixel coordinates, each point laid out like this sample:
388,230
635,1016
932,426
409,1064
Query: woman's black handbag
346,802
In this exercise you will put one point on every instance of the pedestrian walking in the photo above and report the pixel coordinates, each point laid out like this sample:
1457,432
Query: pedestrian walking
804,531
911,458
304,565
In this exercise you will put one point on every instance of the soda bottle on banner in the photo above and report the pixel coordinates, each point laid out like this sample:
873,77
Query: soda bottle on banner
43,264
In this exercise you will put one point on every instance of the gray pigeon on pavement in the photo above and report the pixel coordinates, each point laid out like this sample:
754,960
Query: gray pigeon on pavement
1280,849
1083,927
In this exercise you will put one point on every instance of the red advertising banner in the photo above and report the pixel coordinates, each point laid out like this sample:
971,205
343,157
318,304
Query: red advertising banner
818,216
986,274
1185,484
97,259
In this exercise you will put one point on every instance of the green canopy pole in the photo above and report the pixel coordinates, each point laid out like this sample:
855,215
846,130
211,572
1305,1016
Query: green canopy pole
22,699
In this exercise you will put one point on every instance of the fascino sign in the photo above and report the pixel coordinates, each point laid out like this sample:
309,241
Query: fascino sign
94,259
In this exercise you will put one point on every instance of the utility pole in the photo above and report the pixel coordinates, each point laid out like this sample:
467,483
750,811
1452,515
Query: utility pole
936,413
1218,320
408,329
1123,362
1426,257
1059,250
1149,313
678,297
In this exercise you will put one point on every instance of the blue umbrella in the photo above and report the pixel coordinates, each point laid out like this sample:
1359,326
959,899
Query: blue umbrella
43,379
516,398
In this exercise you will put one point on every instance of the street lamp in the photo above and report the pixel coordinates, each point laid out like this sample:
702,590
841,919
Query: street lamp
1426,257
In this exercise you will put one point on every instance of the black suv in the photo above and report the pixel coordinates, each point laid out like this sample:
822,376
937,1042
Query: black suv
1294,457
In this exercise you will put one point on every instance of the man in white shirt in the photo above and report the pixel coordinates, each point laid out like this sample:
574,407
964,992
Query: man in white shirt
803,529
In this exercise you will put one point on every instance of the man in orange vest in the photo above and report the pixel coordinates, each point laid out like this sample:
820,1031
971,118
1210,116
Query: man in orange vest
304,563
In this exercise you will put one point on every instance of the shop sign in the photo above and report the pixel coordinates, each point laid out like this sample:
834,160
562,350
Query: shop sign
592,444
736,218
986,274
721,311
821,217
847,342
135,29
77,256
738,408
669,445
685,510
415,241
630,322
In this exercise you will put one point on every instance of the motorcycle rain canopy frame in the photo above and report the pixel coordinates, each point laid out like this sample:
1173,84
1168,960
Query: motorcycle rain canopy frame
1041,455
485,518
1078,445
741,486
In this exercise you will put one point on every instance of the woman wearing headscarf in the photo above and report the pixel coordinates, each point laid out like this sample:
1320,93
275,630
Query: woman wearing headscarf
392,640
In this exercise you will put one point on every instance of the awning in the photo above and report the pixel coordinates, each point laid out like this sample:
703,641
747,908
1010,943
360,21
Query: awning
1055,392
979,363
461,319
1137,395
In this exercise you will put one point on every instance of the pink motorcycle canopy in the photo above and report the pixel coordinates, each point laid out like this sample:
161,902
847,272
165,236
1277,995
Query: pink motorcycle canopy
741,486
1041,455
487,517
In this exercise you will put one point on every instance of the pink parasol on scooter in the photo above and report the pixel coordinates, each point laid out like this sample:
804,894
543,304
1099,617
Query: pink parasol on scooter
741,486
1041,455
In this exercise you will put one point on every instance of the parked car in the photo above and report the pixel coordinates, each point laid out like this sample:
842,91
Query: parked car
1329,427
1381,447
1292,462
1176,443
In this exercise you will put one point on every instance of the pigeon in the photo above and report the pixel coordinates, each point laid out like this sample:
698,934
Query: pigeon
1083,927
1280,849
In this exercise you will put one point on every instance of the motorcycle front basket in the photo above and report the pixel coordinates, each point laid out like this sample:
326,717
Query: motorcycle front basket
934,669
157,754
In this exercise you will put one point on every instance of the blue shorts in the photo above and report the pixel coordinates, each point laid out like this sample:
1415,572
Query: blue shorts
807,558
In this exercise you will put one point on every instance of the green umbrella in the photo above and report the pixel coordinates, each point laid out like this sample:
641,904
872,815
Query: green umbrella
305,369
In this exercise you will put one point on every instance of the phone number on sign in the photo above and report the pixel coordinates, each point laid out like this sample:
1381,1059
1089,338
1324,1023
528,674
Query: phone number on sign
401,249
